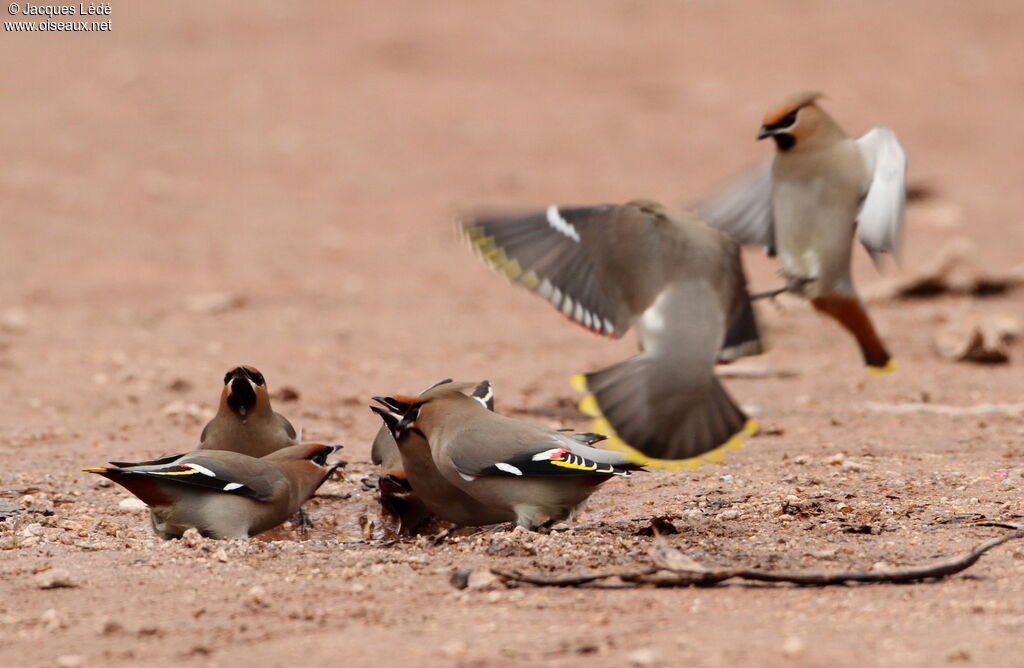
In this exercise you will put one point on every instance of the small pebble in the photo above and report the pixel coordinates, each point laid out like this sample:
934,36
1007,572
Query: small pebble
192,538
792,646
55,578
131,504
51,620
453,649
482,578
256,595
643,657
110,627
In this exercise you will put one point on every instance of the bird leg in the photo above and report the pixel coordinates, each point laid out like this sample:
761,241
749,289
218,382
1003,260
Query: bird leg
303,522
439,538
793,284
770,294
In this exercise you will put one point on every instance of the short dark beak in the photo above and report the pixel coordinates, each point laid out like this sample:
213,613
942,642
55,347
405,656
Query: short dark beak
765,131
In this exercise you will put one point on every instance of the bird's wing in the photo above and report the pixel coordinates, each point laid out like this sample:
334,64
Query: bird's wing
534,452
666,406
569,256
384,451
227,472
743,208
880,220
586,437
293,434
150,462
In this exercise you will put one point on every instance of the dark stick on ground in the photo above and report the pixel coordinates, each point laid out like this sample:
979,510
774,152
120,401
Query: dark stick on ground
671,568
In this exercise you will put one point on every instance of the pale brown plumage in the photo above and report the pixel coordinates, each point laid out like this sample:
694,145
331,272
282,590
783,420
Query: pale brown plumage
480,467
680,282
224,494
821,189
245,421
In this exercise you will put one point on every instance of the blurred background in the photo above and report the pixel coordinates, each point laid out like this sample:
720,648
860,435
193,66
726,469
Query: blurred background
275,183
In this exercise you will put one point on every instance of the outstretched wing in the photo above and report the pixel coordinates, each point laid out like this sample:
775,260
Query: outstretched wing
559,254
880,221
743,208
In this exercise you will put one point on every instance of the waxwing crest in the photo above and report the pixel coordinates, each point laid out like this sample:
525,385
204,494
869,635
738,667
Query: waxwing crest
789,105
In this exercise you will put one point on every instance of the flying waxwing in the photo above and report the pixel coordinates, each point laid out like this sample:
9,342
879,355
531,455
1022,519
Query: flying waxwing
821,188
225,494
677,280
500,469
396,491
245,422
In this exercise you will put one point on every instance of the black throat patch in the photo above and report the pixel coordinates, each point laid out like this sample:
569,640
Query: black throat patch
242,397
784,141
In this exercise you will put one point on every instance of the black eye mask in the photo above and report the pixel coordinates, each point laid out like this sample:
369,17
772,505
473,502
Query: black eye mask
784,122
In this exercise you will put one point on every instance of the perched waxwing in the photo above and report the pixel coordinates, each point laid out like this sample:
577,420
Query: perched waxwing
245,422
680,282
396,491
225,494
821,189
486,468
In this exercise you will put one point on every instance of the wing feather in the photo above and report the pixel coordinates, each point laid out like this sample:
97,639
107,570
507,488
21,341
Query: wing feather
743,208
880,221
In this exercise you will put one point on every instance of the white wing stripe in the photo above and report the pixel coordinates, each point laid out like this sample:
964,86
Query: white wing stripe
561,225
201,469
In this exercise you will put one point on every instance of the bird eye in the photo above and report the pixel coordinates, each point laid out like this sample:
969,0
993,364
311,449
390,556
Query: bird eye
254,376
227,378
319,458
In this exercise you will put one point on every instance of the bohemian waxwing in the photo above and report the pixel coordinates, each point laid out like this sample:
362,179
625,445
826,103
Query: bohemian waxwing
396,491
225,494
821,188
679,281
245,422
490,468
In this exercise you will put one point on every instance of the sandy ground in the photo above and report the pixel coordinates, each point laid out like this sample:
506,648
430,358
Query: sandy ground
213,183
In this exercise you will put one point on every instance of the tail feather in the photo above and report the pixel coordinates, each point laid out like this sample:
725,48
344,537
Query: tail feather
151,492
666,430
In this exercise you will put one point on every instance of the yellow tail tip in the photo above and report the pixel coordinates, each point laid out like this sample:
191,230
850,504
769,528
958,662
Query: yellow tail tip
717,455
889,367
579,382
95,469
588,406
750,427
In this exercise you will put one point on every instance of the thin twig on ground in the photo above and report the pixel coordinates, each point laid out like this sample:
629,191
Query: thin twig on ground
671,568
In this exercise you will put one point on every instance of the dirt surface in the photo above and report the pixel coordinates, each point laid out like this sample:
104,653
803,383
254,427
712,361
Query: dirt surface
214,183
